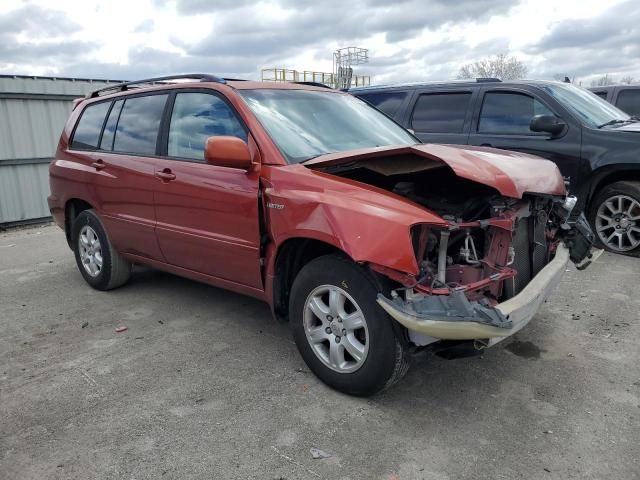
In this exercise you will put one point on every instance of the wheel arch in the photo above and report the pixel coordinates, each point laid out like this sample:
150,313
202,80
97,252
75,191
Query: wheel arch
72,208
606,176
289,258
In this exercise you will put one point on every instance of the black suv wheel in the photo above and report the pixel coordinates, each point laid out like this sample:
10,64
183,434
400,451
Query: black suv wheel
615,216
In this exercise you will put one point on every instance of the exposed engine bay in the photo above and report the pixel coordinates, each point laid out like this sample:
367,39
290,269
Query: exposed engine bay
488,252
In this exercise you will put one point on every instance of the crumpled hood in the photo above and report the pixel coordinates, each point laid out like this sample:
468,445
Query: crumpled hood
511,173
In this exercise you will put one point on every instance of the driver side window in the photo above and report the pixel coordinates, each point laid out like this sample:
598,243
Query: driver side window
197,116
509,113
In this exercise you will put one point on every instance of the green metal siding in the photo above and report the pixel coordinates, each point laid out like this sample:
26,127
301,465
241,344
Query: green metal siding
33,111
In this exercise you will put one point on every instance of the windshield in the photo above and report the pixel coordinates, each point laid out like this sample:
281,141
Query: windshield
308,123
586,105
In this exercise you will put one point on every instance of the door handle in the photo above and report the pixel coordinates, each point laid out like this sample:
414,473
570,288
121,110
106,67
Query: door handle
166,175
99,164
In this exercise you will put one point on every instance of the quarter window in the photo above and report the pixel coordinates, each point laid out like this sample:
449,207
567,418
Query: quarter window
441,112
387,102
87,134
137,130
509,113
629,101
197,116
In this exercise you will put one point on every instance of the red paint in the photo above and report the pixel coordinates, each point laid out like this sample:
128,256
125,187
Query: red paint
510,173
202,221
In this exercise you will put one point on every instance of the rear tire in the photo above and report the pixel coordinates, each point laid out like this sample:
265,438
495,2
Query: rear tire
100,264
354,347
614,215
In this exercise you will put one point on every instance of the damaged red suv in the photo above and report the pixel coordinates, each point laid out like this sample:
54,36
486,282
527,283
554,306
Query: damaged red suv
370,244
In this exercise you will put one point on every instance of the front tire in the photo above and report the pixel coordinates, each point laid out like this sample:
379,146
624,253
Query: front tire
99,263
615,217
343,335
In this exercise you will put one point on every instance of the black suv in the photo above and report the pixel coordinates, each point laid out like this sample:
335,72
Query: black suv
625,97
596,145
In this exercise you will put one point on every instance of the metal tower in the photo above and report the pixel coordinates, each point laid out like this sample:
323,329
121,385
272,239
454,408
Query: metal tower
343,61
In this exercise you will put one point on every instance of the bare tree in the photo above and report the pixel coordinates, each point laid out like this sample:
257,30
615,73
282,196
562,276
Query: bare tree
603,81
501,66
628,79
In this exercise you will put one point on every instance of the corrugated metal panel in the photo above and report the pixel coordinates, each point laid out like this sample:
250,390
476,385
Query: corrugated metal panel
31,128
50,85
29,131
23,192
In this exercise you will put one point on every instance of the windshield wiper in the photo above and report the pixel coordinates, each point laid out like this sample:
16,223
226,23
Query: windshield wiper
615,121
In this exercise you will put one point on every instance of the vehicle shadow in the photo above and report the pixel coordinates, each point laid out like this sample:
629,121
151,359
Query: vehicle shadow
432,381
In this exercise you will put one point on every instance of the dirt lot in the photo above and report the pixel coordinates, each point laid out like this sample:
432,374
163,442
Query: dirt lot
205,385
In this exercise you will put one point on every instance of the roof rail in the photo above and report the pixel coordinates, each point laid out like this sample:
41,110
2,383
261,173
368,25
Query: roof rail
121,87
312,84
487,79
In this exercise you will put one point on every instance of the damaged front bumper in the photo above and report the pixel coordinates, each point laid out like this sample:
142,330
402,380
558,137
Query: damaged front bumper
454,317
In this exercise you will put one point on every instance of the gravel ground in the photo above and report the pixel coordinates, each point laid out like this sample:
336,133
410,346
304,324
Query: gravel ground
204,384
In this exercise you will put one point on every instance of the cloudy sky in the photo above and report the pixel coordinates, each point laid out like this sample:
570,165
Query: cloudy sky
408,40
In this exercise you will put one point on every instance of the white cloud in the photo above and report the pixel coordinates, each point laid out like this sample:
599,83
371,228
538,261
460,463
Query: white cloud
408,40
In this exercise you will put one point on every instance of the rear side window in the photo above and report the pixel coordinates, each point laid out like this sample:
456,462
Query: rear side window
386,102
629,101
509,113
602,95
441,112
109,131
87,134
197,116
138,126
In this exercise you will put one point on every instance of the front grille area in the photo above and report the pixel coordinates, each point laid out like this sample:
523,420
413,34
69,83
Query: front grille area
531,252
539,245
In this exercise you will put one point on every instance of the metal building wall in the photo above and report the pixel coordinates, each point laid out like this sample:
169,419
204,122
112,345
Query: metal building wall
33,111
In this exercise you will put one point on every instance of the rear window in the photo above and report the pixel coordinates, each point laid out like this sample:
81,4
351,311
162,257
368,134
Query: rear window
602,95
87,134
629,101
386,102
440,112
138,126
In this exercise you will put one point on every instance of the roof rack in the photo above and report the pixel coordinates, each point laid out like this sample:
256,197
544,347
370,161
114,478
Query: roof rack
121,87
487,79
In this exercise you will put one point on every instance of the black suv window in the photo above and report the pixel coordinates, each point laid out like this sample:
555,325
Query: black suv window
386,102
139,123
629,101
197,116
440,112
87,132
509,113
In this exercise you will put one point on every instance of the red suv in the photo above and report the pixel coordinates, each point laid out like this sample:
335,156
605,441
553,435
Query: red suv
369,243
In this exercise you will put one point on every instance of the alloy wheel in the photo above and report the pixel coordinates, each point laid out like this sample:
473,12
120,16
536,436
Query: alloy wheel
336,329
90,251
618,223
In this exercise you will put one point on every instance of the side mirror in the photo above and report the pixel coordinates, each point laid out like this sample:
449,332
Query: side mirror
547,123
229,152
